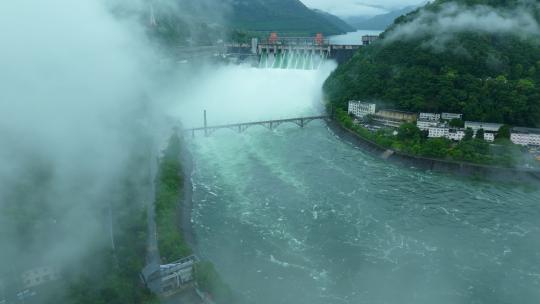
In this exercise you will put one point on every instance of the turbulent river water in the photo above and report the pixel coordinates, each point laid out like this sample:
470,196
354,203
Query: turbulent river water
298,216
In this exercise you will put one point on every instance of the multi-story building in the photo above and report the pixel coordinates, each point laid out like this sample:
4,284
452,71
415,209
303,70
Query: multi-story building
436,132
456,134
426,124
394,118
450,116
361,109
525,136
40,275
397,115
429,116
486,126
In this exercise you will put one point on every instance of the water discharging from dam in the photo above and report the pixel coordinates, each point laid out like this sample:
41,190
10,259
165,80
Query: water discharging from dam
298,216
292,59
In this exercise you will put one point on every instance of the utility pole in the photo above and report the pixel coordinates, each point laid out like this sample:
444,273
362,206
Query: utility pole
111,228
153,21
205,125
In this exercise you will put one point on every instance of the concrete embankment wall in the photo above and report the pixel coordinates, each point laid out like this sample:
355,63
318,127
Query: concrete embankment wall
459,168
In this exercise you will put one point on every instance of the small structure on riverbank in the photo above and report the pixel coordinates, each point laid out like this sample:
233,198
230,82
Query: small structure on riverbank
369,39
163,279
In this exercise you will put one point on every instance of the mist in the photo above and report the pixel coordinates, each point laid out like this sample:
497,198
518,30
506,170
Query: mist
241,93
443,24
83,94
74,107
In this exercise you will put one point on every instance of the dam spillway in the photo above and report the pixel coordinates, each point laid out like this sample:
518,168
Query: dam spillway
301,53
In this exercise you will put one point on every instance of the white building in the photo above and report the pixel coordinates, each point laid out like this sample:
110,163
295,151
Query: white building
361,109
456,134
486,126
450,116
426,124
436,132
40,275
488,136
525,136
429,116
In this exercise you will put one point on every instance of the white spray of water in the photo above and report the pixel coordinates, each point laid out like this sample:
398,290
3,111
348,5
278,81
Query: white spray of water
240,94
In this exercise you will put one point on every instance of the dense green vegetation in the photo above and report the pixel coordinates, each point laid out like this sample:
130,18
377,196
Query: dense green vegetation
205,22
487,75
411,140
112,276
169,193
36,216
284,16
209,280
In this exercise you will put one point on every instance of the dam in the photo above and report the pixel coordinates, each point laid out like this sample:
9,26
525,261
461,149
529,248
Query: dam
279,52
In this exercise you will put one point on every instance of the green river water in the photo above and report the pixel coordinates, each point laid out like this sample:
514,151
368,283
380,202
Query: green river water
299,216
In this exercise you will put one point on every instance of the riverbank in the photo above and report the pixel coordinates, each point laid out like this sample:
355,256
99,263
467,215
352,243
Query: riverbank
186,203
207,278
438,165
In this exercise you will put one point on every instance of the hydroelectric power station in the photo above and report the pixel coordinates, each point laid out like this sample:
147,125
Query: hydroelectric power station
294,52
306,53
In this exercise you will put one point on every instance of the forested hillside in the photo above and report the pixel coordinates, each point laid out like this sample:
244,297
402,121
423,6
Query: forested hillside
283,15
477,57
185,22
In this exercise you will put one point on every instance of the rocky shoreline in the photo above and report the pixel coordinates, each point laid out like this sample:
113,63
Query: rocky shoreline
438,165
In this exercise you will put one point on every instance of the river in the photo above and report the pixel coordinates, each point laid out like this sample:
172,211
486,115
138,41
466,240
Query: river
298,216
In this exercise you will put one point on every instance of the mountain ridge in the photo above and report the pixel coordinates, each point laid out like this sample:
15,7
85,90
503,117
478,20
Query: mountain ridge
379,22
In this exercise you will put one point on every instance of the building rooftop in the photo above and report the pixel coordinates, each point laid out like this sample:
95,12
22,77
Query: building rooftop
526,130
483,123
397,111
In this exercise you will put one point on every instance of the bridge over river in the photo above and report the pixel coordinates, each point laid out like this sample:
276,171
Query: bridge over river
243,126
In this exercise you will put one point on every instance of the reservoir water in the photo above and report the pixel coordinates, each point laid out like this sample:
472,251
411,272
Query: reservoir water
298,216
352,37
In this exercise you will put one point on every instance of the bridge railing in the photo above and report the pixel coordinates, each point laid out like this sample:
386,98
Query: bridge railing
270,124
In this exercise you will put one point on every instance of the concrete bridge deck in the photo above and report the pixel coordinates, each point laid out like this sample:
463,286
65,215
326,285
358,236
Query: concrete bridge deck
270,124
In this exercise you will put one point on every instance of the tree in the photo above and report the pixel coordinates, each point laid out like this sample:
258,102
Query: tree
504,132
469,133
457,123
409,131
497,81
368,119
480,134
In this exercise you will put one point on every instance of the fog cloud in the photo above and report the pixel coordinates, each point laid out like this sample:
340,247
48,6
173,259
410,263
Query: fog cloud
351,8
441,25
72,78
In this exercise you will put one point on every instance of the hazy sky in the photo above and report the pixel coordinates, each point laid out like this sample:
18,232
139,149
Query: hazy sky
346,8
